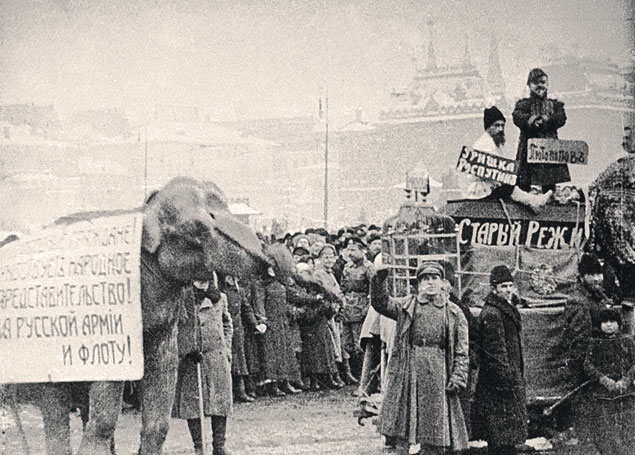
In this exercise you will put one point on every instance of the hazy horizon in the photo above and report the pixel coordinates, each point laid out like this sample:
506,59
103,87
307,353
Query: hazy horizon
245,59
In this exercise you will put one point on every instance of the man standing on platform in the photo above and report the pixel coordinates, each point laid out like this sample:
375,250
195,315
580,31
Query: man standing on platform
539,117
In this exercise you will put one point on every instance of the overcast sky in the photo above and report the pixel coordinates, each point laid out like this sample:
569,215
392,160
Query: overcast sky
258,58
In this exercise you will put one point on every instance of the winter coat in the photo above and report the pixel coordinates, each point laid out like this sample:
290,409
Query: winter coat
278,362
253,341
581,322
206,327
312,315
328,280
355,285
237,306
499,408
608,418
539,174
395,409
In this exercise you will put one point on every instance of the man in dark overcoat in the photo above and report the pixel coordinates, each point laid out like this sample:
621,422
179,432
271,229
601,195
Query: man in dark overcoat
581,315
499,411
538,117
205,337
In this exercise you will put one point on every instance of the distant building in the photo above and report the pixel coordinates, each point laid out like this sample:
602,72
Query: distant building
440,91
42,119
108,123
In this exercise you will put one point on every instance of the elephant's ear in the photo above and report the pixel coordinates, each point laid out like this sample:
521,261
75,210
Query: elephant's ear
165,209
214,197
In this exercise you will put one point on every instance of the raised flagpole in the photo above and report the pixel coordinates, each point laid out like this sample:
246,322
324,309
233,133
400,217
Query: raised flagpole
326,160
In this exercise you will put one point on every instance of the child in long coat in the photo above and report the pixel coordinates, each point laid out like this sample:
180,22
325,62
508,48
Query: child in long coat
205,337
606,409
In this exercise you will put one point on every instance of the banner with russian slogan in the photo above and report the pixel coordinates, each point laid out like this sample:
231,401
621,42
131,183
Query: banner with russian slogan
70,306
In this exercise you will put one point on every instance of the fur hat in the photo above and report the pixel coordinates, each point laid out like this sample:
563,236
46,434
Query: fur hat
326,247
535,74
355,240
430,268
500,274
492,115
297,236
610,314
321,232
372,238
589,265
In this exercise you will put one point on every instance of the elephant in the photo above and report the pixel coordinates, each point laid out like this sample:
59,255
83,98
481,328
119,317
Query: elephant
612,233
188,232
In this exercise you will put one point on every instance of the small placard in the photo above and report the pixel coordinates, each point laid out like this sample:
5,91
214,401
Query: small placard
419,183
557,151
487,166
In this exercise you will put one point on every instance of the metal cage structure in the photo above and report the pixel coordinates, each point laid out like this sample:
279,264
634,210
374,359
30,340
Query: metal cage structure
415,235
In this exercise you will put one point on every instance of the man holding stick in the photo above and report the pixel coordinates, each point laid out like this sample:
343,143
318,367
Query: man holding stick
205,336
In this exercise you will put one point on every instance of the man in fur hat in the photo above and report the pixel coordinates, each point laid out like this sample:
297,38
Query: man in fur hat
581,314
539,117
499,410
492,141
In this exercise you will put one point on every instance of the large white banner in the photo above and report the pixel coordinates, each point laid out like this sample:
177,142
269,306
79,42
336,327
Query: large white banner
70,306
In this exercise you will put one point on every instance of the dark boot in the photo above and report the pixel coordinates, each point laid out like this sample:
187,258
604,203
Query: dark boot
194,425
337,379
314,385
370,362
239,393
349,379
288,388
219,429
329,382
250,386
273,390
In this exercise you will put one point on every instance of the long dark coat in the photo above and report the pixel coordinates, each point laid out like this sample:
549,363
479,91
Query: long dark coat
538,174
395,404
581,322
318,352
213,334
236,305
278,362
608,418
500,410
253,341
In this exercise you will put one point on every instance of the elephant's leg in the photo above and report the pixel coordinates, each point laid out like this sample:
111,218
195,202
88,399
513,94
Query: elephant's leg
55,406
103,412
157,388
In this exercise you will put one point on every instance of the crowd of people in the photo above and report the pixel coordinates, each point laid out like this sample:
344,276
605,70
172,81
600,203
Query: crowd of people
296,327
320,317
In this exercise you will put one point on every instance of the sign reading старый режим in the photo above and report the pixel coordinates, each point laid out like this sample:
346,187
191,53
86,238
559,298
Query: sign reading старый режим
70,298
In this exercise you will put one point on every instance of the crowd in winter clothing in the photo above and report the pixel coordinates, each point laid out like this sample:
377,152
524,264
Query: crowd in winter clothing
298,326
320,317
